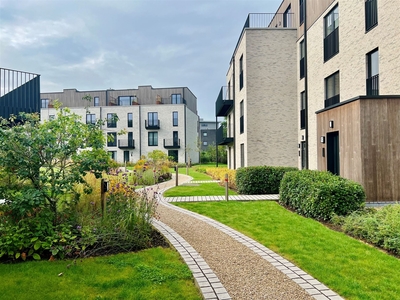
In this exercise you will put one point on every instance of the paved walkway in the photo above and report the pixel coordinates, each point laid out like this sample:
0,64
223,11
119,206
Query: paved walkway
206,278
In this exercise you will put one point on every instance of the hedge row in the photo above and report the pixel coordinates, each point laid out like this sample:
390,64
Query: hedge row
260,180
320,195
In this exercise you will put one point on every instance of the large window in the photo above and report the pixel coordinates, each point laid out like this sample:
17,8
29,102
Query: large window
130,119
302,53
303,110
371,14
152,118
331,33
287,17
45,103
112,120
241,117
373,73
153,138
111,139
96,101
90,119
241,72
174,118
332,90
113,155
301,11
176,99
125,100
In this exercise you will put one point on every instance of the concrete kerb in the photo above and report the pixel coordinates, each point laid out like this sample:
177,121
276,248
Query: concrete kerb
312,286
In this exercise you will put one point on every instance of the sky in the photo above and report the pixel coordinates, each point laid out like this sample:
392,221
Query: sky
123,44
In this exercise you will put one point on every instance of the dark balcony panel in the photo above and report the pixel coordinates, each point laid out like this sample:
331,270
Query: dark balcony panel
172,143
373,85
331,44
332,101
126,143
224,102
371,14
302,68
222,138
152,124
241,81
302,119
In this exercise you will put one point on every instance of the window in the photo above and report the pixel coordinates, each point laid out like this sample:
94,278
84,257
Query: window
302,52
242,155
332,90
130,139
111,139
175,138
373,73
241,72
205,134
303,110
96,101
153,138
152,118
241,117
204,125
371,14
45,103
301,11
176,99
113,154
112,119
52,117
90,119
287,17
126,156
205,143
331,40
130,119
174,118
125,100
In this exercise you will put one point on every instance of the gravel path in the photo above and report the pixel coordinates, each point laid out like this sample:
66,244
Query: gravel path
244,274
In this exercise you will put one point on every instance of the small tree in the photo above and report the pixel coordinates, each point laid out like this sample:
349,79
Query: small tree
47,159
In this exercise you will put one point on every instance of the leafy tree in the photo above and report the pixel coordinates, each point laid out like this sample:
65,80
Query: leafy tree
47,159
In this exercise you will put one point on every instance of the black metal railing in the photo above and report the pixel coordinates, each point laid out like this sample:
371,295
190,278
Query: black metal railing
126,143
222,136
19,92
152,124
371,14
331,44
302,68
224,102
373,85
172,143
332,100
302,119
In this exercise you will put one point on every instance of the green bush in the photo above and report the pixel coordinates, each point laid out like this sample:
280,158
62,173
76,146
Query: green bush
320,195
260,180
377,226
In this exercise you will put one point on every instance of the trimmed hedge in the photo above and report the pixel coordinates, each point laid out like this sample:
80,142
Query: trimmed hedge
260,180
320,195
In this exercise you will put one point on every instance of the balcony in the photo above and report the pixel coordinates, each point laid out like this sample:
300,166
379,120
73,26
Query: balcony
172,143
331,44
224,102
373,85
126,144
222,138
332,101
152,124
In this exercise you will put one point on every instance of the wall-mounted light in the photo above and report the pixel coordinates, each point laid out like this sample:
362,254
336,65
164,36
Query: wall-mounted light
322,139
331,124
299,146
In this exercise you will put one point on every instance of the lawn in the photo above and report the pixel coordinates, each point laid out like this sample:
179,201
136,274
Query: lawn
353,269
155,273
203,189
192,173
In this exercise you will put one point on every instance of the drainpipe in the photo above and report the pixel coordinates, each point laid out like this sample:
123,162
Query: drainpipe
306,81
140,132
234,117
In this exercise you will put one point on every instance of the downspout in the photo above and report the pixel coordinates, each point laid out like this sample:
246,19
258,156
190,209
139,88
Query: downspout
234,117
184,128
306,81
140,132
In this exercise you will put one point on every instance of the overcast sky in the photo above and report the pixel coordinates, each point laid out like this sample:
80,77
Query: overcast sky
121,44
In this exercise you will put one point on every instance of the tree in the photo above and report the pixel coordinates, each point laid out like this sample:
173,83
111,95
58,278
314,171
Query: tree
47,159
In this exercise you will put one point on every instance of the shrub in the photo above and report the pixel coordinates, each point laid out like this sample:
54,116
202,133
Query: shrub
219,174
380,227
320,195
260,180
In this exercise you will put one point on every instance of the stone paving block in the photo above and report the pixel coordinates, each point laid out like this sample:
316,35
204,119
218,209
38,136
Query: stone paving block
328,293
321,287
224,296
337,297
320,297
313,291
220,290
299,280
306,285
209,296
313,281
205,290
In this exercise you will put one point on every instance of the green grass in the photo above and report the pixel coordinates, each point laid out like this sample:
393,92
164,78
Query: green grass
192,173
150,274
351,268
203,189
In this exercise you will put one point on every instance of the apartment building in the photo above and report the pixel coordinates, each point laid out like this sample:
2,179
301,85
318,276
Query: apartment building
208,131
152,118
259,101
347,98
